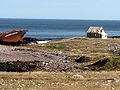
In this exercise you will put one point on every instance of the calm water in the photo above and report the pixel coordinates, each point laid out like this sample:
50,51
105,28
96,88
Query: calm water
53,29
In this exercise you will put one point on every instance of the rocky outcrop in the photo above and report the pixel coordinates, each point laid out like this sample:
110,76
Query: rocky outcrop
83,59
98,65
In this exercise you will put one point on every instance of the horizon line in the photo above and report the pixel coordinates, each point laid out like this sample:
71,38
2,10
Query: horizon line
64,19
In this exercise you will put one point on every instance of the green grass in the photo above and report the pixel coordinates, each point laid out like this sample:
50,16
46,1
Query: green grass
56,47
76,45
80,46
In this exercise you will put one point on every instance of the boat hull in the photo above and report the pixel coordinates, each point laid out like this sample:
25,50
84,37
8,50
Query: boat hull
13,36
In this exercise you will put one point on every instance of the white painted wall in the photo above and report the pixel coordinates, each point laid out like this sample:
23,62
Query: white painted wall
104,36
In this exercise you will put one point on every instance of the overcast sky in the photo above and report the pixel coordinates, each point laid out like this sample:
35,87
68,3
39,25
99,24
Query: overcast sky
61,9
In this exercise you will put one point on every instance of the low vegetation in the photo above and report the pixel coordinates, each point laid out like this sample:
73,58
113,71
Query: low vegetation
60,81
93,49
95,66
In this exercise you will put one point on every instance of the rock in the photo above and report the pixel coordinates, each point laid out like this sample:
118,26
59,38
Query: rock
86,68
97,65
28,40
77,76
83,59
116,52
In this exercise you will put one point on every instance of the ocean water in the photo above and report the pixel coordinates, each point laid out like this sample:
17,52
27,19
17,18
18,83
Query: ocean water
56,29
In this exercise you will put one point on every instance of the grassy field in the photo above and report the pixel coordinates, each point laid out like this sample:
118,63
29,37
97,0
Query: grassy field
106,79
90,47
60,81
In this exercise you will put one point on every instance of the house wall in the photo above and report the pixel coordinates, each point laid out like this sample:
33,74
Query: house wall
94,35
104,36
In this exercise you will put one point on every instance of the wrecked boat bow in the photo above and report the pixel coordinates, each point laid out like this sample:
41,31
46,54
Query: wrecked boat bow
12,37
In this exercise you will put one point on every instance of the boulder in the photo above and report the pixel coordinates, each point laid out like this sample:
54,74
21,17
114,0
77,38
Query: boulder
82,59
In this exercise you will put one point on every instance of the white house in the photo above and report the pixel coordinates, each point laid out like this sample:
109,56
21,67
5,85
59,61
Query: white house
96,32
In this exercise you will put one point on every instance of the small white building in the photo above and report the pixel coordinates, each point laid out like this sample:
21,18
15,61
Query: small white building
96,32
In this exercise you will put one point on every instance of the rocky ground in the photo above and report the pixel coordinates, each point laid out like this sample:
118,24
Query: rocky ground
62,56
86,64
21,59
26,59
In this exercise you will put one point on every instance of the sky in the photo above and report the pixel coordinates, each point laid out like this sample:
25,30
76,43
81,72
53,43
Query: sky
61,9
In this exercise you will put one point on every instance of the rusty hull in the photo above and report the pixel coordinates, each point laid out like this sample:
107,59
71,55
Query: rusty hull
13,36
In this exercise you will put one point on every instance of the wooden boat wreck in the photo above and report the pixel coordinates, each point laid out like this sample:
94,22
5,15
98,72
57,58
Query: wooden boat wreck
12,37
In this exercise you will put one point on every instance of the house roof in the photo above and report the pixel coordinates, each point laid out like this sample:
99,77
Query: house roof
94,29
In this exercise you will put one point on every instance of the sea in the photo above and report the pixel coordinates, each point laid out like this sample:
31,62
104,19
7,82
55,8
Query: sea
53,29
